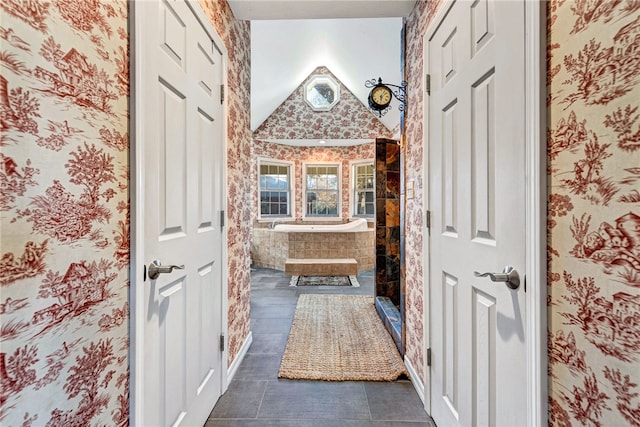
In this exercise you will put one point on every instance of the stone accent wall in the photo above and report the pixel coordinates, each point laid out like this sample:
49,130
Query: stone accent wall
388,220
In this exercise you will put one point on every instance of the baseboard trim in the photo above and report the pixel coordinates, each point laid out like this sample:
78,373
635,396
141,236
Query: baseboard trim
239,358
415,379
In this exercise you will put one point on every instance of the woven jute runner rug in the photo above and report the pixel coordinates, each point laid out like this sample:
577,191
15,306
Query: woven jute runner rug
339,338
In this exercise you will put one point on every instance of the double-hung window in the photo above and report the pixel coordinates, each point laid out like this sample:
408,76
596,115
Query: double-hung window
275,189
363,189
322,190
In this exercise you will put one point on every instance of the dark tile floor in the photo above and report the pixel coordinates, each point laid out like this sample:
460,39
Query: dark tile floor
256,397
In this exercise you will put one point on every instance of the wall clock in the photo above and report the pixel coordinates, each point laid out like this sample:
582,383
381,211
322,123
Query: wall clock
379,97
381,94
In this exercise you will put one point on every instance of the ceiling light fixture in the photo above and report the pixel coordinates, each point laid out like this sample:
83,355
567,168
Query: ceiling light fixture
322,141
381,95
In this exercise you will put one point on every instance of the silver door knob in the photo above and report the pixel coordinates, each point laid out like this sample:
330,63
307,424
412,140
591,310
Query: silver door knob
509,275
155,269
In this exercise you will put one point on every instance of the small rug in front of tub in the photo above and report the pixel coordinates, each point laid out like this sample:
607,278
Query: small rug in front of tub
324,281
339,338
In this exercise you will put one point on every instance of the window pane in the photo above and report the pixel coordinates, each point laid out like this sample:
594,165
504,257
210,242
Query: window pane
311,182
369,182
283,209
370,209
322,184
282,182
274,186
369,197
332,182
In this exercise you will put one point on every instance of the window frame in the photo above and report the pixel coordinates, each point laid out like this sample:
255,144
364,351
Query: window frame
305,167
262,161
353,199
321,79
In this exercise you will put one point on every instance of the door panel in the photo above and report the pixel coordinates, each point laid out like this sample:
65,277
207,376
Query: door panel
477,195
183,144
484,357
449,334
172,302
483,160
172,151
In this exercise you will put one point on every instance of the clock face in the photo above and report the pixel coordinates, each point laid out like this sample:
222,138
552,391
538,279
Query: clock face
381,95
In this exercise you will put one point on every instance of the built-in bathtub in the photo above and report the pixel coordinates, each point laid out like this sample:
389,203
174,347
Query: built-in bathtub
271,247
359,224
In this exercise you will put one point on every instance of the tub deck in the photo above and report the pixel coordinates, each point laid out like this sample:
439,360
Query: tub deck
320,267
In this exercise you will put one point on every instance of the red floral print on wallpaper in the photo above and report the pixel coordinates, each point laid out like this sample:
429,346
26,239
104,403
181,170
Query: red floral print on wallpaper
236,37
294,119
64,210
297,155
348,119
593,144
417,25
593,77
64,206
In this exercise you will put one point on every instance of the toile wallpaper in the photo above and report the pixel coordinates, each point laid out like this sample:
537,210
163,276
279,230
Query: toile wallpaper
298,155
593,141
236,36
417,25
64,210
348,119
295,120
64,207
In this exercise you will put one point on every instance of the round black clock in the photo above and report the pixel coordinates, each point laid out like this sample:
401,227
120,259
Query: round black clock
379,97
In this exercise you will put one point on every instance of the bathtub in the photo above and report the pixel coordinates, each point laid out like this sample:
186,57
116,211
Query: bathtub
359,224
271,247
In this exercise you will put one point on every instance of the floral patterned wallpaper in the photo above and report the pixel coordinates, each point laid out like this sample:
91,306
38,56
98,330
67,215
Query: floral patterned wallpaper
298,155
236,37
294,119
593,73
64,207
348,119
416,26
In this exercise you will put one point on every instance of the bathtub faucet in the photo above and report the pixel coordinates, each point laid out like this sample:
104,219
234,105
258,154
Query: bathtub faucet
273,223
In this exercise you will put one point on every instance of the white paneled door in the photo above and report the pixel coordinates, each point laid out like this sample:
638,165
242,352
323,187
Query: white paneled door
477,189
182,194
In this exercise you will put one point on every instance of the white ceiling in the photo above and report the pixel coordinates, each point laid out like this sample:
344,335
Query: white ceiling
319,9
284,53
357,40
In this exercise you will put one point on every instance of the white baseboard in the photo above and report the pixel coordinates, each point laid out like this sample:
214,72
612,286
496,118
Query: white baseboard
239,358
415,379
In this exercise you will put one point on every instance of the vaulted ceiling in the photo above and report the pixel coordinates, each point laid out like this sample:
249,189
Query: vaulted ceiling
357,40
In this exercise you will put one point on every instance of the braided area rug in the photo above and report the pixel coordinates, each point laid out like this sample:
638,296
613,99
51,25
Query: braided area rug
339,338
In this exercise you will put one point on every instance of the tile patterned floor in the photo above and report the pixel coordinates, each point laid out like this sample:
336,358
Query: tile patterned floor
257,398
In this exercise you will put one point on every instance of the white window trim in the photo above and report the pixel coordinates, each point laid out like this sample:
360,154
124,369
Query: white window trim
328,80
304,191
352,186
292,189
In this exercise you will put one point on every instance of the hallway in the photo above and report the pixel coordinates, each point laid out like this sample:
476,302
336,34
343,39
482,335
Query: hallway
256,397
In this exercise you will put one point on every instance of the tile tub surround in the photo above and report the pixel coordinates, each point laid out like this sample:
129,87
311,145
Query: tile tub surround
271,249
